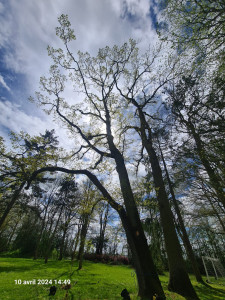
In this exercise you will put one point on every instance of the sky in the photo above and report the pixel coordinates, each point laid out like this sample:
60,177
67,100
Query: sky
28,27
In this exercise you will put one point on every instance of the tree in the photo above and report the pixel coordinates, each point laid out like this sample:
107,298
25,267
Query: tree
192,107
17,166
184,234
92,77
139,94
197,27
68,195
100,239
88,203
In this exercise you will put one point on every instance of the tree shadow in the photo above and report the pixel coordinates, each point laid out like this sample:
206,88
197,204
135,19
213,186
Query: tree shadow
207,292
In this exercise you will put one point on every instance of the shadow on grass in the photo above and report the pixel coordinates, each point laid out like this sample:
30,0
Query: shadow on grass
23,265
15,269
207,292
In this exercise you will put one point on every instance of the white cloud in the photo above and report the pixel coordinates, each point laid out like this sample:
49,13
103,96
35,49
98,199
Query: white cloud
16,120
27,27
3,83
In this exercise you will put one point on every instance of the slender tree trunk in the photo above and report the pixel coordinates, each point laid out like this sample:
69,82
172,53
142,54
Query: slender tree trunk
52,237
76,242
63,241
214,178
214,208
13,231
40,236
184,235
103,223
15,196
179,281
83,234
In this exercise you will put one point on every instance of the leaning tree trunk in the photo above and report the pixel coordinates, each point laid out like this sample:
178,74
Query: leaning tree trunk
214,178
184,235
76,242
179,281
15,196
148,281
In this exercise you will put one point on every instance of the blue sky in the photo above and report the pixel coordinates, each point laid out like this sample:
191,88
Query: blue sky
28,26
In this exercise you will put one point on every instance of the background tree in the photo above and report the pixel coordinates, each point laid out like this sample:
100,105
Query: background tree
17,165
196,29
204,123
93,76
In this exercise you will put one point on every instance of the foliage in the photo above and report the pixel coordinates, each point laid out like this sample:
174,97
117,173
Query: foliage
197,27
108,259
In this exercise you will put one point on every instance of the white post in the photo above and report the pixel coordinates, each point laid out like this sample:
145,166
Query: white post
214,268
205,268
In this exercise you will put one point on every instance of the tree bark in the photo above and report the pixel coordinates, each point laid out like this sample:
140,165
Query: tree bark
185,238
179,281
148,280
147,276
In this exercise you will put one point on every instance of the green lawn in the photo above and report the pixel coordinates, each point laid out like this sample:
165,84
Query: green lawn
94,281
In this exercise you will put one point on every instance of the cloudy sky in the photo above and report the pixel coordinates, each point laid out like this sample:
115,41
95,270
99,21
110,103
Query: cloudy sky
28,26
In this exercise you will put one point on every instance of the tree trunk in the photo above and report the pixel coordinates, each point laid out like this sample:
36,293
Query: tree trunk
39,237
61,250
13,231
147,276
214,178
76,242
179,281
148,281
82,239
15,196
184,235
52,237
103,223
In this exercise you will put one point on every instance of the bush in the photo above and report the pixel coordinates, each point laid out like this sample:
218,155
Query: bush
12,254
107,259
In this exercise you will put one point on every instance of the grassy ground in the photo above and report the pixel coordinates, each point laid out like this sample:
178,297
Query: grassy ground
94,281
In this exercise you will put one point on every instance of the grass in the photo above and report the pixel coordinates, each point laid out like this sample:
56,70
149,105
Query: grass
94,281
